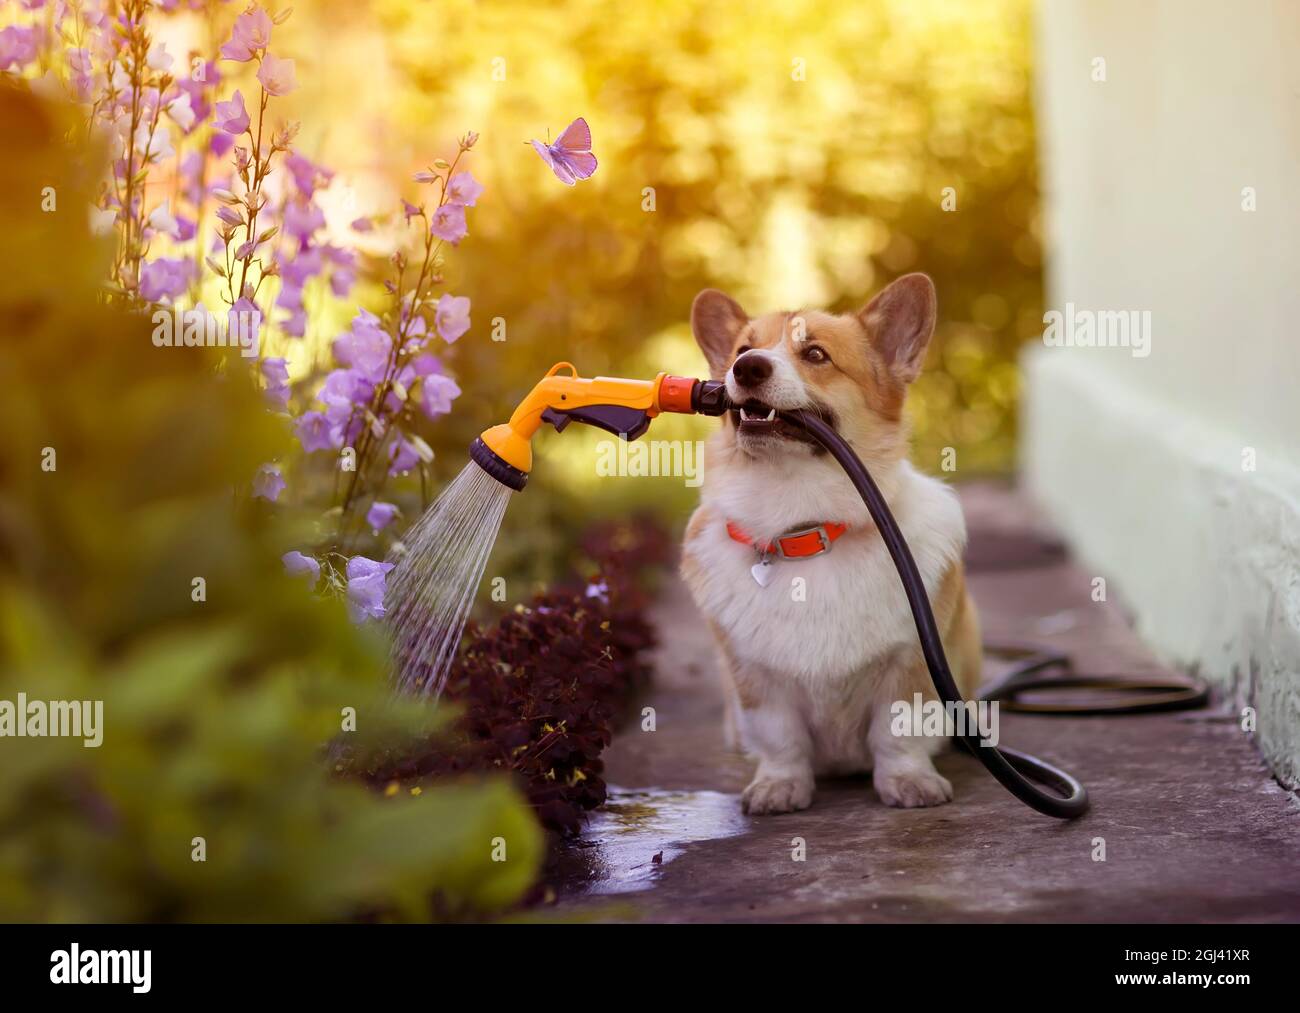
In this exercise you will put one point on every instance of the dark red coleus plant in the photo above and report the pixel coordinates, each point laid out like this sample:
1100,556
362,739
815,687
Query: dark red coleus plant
541,691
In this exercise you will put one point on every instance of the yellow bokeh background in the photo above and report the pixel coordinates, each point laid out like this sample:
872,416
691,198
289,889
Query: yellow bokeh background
792,155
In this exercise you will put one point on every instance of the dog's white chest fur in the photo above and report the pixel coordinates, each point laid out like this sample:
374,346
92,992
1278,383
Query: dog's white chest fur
822,635
823,619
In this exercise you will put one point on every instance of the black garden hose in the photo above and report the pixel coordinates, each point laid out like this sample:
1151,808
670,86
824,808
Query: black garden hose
1022,688
1016,771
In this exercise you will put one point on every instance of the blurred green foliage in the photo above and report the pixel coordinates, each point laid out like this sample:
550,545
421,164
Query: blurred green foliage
217,712
798,155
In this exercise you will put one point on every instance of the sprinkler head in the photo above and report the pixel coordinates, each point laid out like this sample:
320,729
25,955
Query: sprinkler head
491,462
619,406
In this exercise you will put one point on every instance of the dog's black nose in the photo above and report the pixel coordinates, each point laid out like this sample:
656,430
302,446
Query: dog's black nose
751,369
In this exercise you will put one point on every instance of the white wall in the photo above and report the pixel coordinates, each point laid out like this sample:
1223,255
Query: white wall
1140,460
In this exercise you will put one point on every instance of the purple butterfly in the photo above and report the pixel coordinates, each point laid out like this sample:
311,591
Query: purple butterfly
570,157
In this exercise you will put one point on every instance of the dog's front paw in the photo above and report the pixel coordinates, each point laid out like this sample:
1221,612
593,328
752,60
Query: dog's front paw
912,788
768,795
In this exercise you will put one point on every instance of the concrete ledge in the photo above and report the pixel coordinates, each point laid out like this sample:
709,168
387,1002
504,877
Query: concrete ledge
1204,552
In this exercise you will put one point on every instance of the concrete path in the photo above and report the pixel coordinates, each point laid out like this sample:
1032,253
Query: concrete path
1194,827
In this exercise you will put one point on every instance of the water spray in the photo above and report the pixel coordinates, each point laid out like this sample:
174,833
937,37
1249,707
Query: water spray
438,566
423,648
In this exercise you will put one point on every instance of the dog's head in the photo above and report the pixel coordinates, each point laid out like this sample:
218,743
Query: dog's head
851,369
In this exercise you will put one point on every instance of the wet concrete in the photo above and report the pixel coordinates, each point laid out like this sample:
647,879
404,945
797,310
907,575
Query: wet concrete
1192,824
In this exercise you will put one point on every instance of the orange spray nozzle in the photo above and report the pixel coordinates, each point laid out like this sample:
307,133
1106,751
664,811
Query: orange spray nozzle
622,407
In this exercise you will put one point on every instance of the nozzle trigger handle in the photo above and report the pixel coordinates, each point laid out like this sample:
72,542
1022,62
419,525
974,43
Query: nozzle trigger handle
617,419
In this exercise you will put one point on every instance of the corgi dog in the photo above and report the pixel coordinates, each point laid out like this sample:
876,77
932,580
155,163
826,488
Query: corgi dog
815,639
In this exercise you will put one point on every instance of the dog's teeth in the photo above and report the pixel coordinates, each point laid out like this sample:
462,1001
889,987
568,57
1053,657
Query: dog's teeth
771,414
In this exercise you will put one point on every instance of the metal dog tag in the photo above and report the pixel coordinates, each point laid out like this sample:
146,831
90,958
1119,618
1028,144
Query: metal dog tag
762,571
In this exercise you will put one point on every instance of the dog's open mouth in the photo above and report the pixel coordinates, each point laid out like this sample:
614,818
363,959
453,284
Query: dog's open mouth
754,418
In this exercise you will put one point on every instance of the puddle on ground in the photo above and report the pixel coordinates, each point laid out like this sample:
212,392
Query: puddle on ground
618,848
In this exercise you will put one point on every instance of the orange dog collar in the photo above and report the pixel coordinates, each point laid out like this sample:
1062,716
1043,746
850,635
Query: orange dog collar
799,544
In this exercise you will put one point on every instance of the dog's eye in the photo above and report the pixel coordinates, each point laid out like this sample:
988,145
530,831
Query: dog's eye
741,351
815,354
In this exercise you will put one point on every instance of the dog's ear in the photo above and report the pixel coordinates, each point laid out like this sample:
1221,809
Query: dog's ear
717,319
899,321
